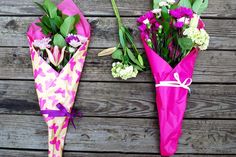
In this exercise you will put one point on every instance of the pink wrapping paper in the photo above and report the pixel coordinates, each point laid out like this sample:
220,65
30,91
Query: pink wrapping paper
170,101
55,88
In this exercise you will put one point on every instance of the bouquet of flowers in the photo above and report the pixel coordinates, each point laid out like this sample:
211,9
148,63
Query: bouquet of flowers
172,35
128,60
58,44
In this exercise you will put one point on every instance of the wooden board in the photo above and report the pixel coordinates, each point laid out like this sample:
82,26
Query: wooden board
120,118
217,8
122,100
119,135
211,66
104,32
30,153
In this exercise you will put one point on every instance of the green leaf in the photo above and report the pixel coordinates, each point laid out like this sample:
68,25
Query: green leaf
51,8
59,41
165,13
122,37
133,58
77,18
58,21
41,7
185,3
137,67
53,26
67,26
140,59
199,6
166,27
185,43
45,21
156,4
118,54
45,29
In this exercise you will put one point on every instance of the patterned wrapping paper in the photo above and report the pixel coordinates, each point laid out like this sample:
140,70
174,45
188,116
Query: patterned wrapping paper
171,101
57,90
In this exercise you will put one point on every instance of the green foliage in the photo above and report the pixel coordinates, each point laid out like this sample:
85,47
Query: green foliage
185,3
118,55
199,6
67,26
185,43
51,8
59,40
156,4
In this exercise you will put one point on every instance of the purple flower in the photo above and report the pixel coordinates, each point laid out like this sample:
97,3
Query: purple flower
179,24
73,40
181,12
142,27
149,15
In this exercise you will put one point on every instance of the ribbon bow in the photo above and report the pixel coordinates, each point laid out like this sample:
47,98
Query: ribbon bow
62,112
187,82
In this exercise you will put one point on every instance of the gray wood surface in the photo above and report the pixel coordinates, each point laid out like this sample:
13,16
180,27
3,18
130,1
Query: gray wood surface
120,118
211,66
104,28
39,153
122,100
119,135
217,8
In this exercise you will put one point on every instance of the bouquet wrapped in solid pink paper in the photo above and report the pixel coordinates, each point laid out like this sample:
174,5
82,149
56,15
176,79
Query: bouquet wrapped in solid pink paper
172,36
56,84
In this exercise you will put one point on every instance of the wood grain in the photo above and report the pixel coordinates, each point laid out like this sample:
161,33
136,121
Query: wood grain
122,100
119,135
211,66
217,8
30,153
104,32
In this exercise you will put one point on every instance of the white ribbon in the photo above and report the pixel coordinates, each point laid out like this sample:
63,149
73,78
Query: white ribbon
187,82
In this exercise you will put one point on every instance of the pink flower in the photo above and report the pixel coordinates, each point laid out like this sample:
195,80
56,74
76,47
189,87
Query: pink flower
142,27
201,24
56,56
179,24
149,15
42,44
75,40
181,12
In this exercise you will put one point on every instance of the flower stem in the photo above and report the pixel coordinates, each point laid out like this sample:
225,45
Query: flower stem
116,11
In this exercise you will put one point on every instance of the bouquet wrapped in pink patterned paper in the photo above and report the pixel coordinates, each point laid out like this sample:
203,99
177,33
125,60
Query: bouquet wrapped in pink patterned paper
172,35
58,46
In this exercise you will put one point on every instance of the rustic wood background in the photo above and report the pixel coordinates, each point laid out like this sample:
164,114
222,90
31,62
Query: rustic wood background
119,117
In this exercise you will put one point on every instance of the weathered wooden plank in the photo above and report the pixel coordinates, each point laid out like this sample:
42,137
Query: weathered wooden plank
122,100
104,34
119,135
29,153
212,66
217,8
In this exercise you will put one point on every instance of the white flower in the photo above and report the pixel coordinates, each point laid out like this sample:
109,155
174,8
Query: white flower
72,49
82,39
171,1
184,19
123,71
42,44
156,11
146,21
194,21
163,4
199,37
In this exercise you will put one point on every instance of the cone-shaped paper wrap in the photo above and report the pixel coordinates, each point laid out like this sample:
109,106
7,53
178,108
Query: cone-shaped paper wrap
56,91
171,101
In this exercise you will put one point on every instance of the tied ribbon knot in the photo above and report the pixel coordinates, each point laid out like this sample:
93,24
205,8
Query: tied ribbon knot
187,82
62,112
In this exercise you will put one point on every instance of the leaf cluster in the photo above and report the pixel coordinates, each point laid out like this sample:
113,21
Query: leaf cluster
56,24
